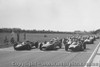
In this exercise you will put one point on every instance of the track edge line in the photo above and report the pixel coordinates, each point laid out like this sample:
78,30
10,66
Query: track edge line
88,63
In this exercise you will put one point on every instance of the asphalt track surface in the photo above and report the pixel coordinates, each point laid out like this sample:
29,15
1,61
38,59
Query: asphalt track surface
36,58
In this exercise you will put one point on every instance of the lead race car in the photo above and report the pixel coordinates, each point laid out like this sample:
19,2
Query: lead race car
26,45
51,45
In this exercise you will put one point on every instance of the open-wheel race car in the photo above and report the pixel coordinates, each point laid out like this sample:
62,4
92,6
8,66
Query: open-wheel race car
51,45
27,45
89,40
74,45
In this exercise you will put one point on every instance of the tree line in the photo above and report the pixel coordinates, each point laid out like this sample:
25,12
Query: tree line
19,30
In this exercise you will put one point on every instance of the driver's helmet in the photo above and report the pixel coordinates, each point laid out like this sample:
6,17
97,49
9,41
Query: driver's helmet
23,43
45,42
51,41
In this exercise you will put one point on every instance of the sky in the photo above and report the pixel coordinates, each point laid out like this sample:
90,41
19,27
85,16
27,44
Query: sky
57,15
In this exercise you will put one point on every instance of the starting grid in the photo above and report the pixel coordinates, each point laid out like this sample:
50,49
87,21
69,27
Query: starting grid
10,49
37,50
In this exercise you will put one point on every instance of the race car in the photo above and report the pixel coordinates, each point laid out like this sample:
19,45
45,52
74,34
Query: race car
51,45
89,40
77,46
74,45
27,45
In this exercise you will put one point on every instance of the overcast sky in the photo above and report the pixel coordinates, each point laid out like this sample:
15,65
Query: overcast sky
59,15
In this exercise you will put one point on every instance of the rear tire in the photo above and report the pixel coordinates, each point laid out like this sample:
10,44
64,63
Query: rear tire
66,47
84,45
36,44
82,48
40,46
